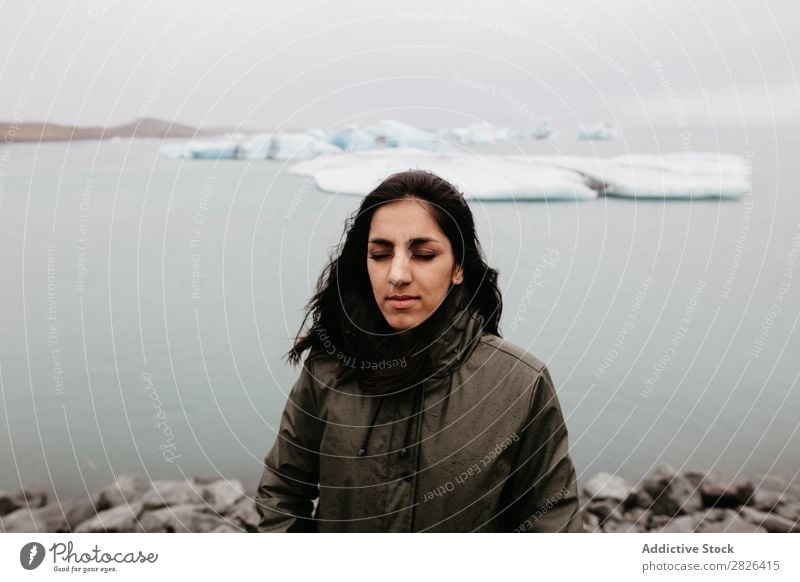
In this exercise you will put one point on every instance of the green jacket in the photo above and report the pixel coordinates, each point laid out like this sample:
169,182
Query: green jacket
482,447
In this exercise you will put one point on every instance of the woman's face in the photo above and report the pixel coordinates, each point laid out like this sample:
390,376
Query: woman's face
410,262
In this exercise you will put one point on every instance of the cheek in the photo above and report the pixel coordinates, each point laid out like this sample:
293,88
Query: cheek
375,275
437,282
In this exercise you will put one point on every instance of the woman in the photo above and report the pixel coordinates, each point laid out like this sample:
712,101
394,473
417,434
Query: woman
411,413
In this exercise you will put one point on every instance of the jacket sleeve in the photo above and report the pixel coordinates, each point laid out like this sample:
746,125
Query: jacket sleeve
289,483
542,494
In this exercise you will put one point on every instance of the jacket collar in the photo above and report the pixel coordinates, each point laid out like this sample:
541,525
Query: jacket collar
456,342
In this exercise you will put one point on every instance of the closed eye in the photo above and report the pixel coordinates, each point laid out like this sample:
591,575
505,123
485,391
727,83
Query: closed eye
378,256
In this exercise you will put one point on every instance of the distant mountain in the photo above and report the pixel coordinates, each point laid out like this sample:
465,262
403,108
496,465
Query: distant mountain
145,127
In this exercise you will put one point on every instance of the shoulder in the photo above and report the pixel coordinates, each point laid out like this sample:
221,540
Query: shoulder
512,374
321,365
519,372
317,371
506,367
496,350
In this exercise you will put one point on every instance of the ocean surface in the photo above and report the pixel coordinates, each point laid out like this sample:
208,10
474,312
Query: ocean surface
146,303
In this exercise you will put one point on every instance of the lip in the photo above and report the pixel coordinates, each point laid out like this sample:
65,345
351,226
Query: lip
402,301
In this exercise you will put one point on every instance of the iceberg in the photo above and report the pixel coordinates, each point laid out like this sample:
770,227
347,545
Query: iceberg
317,132
286,146
519,177
273,146
257,147
544,130
599,131
386,134
484,133
396,134
479,133
352,137
203,150
173,151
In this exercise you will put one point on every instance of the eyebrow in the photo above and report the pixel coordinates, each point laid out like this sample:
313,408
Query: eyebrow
412,242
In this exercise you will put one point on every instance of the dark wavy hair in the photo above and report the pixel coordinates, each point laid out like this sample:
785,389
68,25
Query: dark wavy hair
344,312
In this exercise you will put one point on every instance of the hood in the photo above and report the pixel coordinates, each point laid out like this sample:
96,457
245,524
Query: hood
454,345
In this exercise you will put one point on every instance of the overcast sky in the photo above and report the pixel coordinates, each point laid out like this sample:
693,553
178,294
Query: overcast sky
298,64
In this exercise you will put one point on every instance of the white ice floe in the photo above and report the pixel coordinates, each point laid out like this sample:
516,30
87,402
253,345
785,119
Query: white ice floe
515,177
675,176
479,177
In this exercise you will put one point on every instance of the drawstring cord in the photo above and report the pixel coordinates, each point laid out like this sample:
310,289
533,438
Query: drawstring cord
416,407
363,450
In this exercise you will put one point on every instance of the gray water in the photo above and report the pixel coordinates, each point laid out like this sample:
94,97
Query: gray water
146,303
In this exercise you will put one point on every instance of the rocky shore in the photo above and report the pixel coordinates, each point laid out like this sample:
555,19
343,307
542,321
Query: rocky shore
135,504
665,501
707,502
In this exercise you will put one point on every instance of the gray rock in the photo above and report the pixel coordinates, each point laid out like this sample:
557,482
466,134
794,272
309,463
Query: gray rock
607,486
79,511
731,523
206,480
653,484
591,523
764,499
718,489
792,494
682,524
771,491
126,489
621,527
30,497
639,498
672,493
638,517
770,521
171,493
227,528
657,522
605,510
712,515
244,514
34,497
223,494
49,518
123,518
7,505
790,511
183,519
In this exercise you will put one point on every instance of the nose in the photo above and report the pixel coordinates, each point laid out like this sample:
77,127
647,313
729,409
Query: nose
399,273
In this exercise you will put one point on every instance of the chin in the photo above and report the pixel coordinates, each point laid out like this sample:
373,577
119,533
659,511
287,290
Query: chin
406,321
402,322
